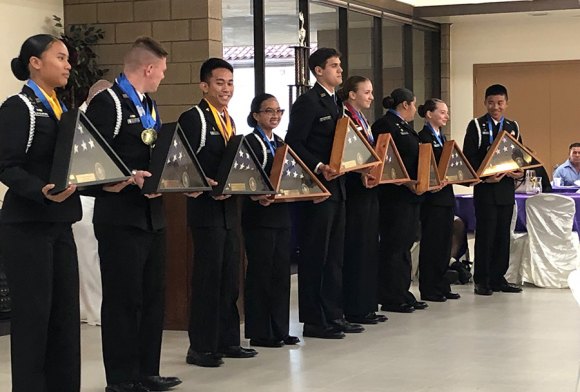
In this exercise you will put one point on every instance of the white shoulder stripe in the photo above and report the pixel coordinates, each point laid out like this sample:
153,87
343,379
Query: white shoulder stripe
264,152
32,127
478,132
118,111
203,129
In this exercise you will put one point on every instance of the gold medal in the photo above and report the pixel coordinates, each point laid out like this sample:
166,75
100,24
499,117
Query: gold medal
149,136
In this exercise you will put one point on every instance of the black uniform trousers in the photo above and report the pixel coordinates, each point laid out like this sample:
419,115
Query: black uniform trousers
214,321
435,251
320,263
398,228
42,270
133,276
267,291
361,249
492,243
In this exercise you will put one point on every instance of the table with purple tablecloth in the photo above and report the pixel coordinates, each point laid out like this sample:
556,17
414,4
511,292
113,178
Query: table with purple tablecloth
465,209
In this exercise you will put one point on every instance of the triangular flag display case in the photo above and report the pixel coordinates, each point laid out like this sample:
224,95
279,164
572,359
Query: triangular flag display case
82,157
240,173
454,167
427,174
292,179
350,149
174,167
391,169
506,154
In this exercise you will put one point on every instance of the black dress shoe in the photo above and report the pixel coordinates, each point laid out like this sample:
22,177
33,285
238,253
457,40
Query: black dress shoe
122,387
266,343
208,359
238,352
318,331
158,383
451,295
291,340
362,320
381,318
401,308
507,288
420,305
346,327
480,289
433,298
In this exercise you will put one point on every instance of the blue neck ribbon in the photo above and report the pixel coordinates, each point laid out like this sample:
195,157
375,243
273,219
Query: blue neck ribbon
438,135
396,113
270,143
38,92
145,115
490,125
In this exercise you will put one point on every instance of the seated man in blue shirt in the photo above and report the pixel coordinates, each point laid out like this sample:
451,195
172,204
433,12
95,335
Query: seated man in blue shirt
569,171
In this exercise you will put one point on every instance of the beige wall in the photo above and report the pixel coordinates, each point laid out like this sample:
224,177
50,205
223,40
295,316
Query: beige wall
22,19
503,38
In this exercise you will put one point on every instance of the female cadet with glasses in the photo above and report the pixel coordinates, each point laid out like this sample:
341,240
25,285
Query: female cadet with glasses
267,237
36,236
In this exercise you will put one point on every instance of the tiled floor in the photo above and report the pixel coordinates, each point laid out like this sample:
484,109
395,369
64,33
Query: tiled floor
507,342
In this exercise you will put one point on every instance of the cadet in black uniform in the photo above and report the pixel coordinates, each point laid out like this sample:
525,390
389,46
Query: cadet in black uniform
214,322
436,213
361,244
399,207
130,227
311,134
37,241
267,237
493,198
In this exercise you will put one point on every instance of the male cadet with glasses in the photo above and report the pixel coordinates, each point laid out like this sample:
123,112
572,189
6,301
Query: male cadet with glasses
130,227
493,198
311,133
214,322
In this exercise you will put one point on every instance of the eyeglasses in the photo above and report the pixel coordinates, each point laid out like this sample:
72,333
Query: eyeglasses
271,112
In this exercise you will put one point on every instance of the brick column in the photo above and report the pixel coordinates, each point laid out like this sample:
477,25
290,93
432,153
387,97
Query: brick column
191,31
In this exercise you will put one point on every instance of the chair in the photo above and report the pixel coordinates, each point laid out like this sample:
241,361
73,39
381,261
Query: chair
519,252
553,247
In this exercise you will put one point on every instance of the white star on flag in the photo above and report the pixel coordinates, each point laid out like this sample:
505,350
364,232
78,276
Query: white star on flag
76,148
84,146
91,143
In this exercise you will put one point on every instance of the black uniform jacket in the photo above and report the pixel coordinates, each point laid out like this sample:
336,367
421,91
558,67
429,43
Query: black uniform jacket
475,146
128,207
25,173
407,141
209,146
444,197
276,215
311,133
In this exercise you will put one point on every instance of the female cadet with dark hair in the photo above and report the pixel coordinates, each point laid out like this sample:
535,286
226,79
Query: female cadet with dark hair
399,207
37,241
361,244
436,213
267,236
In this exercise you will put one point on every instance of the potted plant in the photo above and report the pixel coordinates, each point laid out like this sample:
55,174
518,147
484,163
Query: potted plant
79,39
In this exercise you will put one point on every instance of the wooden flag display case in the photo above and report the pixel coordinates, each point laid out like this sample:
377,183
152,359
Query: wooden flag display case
82,156
351,150
391,169
427,174
506,154
240,173
174,167
454,167
292,179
